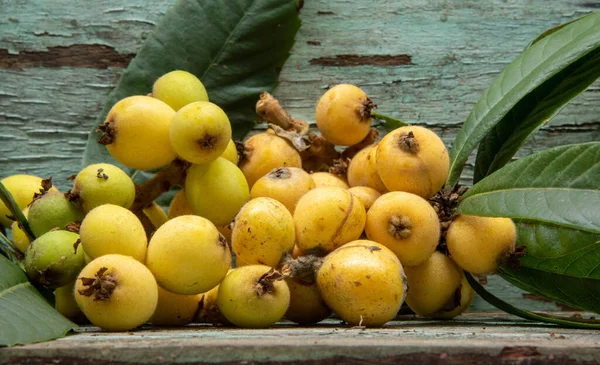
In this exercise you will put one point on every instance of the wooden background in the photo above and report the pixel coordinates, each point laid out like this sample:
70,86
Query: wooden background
426,62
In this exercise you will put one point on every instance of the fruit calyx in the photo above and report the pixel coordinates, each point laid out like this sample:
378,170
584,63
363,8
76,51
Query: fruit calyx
512,258
108,132
445,203
101,174
281,173
407,142
266,283
207,141
365,111
101,287
399,226
46,186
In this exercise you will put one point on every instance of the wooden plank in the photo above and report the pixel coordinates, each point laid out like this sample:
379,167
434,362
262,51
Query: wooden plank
492,338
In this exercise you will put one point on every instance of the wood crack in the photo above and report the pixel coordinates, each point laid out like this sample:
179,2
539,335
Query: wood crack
78,55
356,60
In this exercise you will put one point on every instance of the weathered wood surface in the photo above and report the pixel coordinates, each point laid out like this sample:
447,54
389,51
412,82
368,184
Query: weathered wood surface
422,61
473,339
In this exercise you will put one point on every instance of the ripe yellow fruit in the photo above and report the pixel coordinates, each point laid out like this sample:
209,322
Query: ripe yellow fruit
102,183
413,159
22,188
306,303
362,170
433,285
480,244
136,132
323,179
363,282
344,115
187,255
216,191
116,292
179,206
175,309
178,89
155,214
111,229
231,153
253,296
406,224
200,132
327,218
65,304
209,309
264,152
285,184
462,301
366,195
18,235
263,231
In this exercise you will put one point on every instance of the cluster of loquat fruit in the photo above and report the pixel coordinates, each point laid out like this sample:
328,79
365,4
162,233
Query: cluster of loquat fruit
358,240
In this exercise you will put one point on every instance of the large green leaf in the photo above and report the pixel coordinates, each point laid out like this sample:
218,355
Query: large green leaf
539,63
558,186
531,112
235,47
25,316
553,197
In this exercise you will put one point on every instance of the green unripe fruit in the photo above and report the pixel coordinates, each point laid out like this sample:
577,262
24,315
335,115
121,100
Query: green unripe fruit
52,210
253,296
54,259
200,132
216,191
22,188
102,184
178,89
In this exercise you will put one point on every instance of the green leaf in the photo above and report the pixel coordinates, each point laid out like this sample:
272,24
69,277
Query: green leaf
558,186
25,316
541,317
582,293
531,69
532,112
235,47
13,207
561,264
553,198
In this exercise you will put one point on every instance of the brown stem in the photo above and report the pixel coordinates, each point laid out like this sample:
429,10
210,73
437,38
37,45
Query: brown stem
163,181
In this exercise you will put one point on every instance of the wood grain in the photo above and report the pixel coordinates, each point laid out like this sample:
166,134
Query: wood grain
426,62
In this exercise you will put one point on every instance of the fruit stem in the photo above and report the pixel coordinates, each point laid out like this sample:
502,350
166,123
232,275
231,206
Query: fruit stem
163,181
532,316
15,211
390,123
